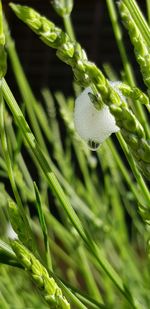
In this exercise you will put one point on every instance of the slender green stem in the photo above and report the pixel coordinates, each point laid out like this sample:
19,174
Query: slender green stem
56,188
19,157
1,24
137,174
137,107
72,296
139,19
51,178
24,88
43,227
102,262
3,302
148,10
119,39
25,236
89,279
68,26
123,169
11,288
90,302
6,155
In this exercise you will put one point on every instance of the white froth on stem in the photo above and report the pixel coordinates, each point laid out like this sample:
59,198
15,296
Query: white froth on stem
93,126
10,233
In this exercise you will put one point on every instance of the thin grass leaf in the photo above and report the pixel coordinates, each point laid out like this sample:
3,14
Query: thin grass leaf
43,226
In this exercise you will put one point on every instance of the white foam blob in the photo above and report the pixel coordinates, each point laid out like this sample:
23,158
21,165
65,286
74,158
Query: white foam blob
94,126
10,233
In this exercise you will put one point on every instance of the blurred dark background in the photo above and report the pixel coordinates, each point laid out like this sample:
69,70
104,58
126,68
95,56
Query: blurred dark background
93,30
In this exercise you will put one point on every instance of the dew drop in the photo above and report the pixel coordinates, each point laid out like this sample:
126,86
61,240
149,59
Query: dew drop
93,145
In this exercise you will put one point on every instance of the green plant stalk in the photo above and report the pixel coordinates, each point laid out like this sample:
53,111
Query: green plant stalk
88,302
24,86
99,256
138,109
3,164
40,157
60,253
28,235
140,47
87,73
139,178
10,288
39,154
121,237
77,202
119,39
122,242
110,72
55,132
7,255
72,296
66,258
138,19
56,188
89,187
43,227
148,10
113,194
86,299
140,98
45,283
3,303
89,279
127,256
19,158
78,295
43,121
139,227
123,169
64,9
59,151
58,230
68,27
69,242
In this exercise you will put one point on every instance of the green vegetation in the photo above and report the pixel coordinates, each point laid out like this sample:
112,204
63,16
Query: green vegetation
90,255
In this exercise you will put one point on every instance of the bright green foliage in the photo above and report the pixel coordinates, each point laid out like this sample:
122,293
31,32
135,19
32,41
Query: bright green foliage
50,290
93,253
21,225
140,47
86,73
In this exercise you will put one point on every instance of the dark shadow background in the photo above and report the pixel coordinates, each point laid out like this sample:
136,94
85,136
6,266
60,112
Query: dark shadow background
93,31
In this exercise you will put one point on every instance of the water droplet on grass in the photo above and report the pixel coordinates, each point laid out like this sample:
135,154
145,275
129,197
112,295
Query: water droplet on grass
93,145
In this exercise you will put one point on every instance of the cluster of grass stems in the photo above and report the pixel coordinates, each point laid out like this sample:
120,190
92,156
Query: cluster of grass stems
95,252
